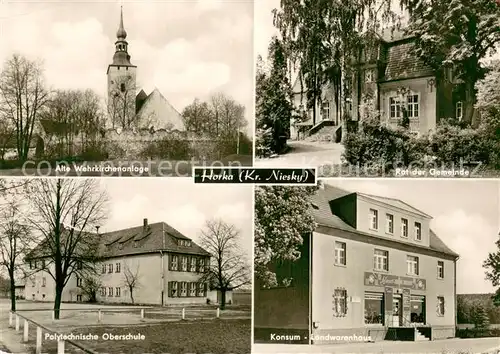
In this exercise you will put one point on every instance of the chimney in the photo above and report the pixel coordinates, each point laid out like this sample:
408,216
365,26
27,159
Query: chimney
145,225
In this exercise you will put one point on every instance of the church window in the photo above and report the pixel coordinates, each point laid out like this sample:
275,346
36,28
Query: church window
122,87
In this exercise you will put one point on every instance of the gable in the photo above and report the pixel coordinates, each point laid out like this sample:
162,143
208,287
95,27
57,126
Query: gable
158,113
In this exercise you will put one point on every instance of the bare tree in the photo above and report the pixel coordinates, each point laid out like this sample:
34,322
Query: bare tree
74,114
122,103
15,241
22,95
72,249
131,280
90,286
229,268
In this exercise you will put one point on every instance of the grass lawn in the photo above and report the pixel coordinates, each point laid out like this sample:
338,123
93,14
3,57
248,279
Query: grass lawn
182,337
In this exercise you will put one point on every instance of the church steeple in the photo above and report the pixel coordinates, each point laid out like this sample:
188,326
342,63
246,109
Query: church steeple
121,56
121,34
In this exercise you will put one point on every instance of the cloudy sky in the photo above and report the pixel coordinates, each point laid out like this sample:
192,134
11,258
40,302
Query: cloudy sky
180,203
187,48
466,216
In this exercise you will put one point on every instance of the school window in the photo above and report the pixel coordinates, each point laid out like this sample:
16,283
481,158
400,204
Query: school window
122,87
183,289
340,302
201,289
184,263
381,260
418,231
440,270
340,253
79,298
173,289
118,268
404,227
103,269
193,265
118,292
44,281
110,268
36,265
373,219
110,291
174,262
459,112
31,265
413,106
440,306
326,110
412,265
389,223
103,291
201,265
192,289
394,108
78,281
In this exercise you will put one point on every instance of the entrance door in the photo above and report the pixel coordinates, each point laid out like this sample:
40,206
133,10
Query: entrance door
397,310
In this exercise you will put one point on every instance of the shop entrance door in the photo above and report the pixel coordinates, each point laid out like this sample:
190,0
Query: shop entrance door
397,310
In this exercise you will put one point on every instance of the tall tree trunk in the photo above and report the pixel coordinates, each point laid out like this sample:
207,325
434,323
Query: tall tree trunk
12,290
222,298
470,98
57,302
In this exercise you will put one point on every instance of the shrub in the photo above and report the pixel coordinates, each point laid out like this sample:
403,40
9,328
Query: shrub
174,149
477,332
264,142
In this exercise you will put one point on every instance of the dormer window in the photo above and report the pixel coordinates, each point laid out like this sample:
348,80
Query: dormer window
184,243
373,219
418,231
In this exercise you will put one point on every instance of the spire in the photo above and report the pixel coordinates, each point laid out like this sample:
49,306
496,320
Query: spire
121,34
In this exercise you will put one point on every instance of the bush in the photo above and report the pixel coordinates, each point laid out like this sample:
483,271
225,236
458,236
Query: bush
94,153
264,142
167,149
477,333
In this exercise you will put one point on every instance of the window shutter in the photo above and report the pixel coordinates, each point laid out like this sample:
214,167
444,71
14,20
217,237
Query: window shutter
179,264
169,289
205,289
188,264
170,257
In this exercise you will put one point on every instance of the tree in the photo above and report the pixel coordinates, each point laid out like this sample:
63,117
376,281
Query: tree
274,97
479,316
492,266
229,268
90,286
22,96
282,217
72,249
322,36
122,103
221,119
198,117
15,241
131,280
456,35
76,114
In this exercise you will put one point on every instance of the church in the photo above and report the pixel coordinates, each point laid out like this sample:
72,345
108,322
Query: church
127,109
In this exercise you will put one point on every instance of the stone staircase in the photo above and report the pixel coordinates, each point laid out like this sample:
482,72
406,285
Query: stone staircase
324,131
419,336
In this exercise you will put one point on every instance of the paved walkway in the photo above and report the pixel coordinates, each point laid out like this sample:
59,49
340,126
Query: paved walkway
445,346
305,154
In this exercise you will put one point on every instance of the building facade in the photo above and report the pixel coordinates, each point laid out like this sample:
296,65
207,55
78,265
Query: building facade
390,78
373,268
151,264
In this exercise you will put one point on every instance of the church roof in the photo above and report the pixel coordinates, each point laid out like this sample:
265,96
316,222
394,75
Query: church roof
159,113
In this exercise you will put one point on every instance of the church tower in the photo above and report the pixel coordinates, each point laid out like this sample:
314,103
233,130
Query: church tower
121,84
